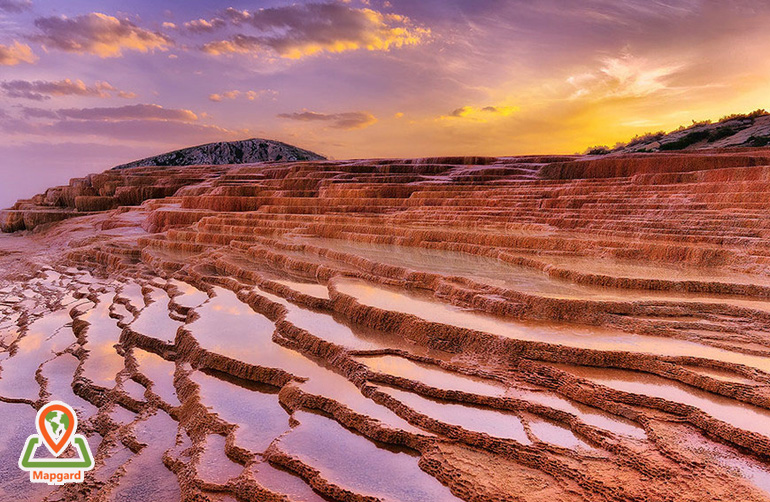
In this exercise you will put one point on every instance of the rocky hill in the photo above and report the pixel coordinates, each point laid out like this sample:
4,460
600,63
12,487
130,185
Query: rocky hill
85,195
245,151
740,130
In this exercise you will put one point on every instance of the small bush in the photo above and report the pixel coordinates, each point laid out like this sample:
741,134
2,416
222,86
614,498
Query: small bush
598,150
690,139
721,132
760,112
648,137
759,141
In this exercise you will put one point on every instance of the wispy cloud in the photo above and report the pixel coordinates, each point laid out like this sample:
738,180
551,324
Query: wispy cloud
146,131
249,95
623,77
346,120
15,6
11,55
480,113
99,34
145,122
118,113
40,90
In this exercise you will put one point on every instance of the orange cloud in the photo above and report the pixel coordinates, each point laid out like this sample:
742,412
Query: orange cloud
301,30
98,34
238,44
480,114
250,95
11,55
203,25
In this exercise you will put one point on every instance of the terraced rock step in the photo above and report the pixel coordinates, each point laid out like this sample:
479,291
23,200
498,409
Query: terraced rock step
517,328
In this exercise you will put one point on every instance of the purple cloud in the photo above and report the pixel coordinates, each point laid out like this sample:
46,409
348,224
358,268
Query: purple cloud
299,30
40,90
114,114
145,123
346,120
15,6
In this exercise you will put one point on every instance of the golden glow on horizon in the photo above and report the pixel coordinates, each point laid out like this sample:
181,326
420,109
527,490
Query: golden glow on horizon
359,78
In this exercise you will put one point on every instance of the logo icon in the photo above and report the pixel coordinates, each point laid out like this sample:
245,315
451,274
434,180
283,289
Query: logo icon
56,423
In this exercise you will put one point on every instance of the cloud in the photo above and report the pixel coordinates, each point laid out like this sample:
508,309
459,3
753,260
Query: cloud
40,90
98,34
301,30
238,44
146,123
623,77
144,131
250,95
11,55
480,114
204,26
225,95
15,6
143,112
130,112
346,120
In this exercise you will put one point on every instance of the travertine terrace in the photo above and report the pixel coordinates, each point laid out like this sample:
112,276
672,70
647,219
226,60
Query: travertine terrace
478,329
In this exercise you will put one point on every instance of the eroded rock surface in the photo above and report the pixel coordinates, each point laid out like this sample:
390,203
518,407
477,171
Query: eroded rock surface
532,328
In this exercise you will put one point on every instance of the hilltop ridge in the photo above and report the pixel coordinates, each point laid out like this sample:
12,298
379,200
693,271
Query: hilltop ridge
245,151
737,130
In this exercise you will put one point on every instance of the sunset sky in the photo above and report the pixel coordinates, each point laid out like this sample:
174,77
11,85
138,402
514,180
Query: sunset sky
86,85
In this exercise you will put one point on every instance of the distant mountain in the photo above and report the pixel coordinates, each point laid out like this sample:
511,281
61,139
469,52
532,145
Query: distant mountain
228,152
741,130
